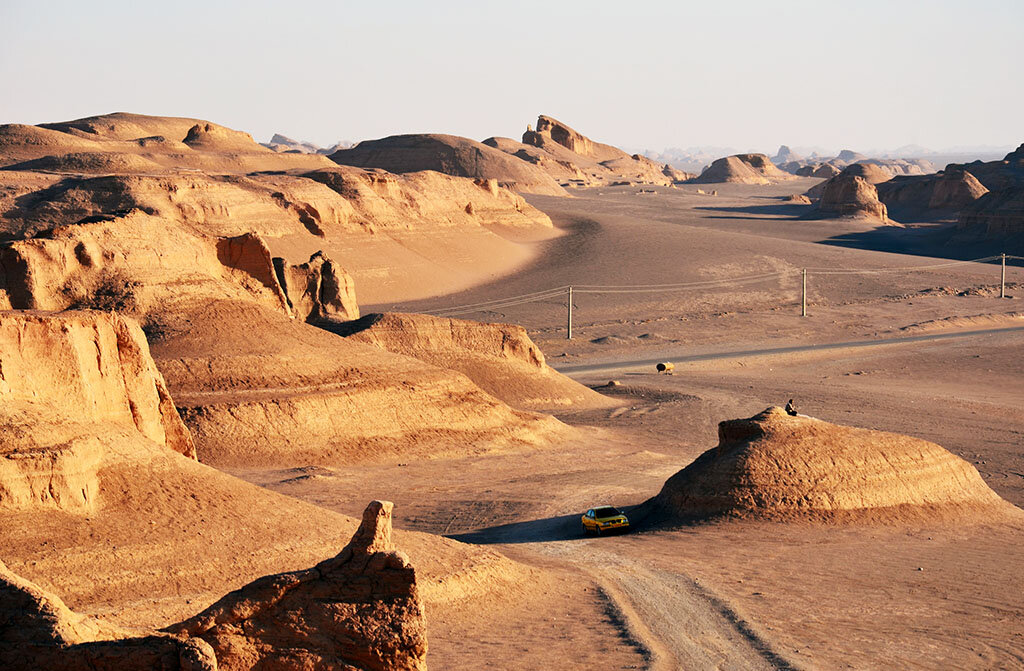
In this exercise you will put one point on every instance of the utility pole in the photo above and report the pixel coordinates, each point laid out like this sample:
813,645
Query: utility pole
803,295
568,330
1002,279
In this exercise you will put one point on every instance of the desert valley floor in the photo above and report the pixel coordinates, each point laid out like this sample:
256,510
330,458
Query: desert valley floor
897,593
899,337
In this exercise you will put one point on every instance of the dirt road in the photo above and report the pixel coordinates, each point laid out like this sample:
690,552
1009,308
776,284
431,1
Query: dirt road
644,363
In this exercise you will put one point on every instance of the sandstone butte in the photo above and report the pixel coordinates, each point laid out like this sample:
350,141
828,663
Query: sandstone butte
742,169
774,466
360,609
849,194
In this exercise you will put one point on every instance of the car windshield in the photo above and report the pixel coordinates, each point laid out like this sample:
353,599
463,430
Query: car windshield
607,511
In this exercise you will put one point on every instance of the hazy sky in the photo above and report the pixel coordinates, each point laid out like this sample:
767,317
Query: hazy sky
747,74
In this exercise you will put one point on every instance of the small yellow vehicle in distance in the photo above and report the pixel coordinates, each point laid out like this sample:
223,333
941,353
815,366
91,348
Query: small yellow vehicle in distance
601,519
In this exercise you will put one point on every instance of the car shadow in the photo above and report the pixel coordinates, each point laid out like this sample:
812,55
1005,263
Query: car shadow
546,530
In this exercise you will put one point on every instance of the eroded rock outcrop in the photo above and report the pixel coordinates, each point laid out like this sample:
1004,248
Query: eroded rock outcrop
317,290
358,610
37,631
776,466
939,195
849,194
995,215
92,369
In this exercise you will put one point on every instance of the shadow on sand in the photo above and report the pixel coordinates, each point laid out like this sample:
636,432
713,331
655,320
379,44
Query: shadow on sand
549,529
791,210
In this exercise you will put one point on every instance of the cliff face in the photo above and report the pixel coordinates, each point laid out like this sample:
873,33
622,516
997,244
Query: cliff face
93,367
145,266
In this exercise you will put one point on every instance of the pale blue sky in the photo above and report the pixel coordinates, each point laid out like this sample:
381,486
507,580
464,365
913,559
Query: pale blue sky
752,75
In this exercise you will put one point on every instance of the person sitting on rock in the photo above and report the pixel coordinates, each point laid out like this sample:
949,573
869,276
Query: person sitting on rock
791,409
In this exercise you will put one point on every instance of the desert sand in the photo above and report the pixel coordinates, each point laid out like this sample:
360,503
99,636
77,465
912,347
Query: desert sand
217,358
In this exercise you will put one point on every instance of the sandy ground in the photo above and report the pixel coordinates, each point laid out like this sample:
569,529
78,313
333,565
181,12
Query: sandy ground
731,595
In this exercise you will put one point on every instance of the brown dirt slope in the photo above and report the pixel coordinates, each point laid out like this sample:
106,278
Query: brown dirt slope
454,229
773,465
996,215
948,191
258,388
500,358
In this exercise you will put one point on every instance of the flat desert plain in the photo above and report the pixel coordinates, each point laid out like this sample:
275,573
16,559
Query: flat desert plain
908,344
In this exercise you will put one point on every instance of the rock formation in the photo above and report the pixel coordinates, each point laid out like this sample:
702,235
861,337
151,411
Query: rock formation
221,270
996,215
958,192
551,130
742,169
872,174
450,155
776,466
577,161
785,155
940,195
92,369
283,143
850,194
317,290
37,631
500,358
358,610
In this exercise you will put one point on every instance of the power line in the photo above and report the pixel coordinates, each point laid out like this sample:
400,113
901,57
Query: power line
556,292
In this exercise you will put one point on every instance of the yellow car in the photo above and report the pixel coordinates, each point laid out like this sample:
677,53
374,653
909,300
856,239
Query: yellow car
604,518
